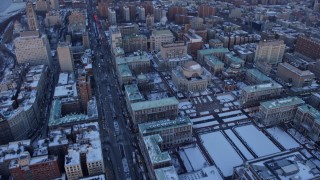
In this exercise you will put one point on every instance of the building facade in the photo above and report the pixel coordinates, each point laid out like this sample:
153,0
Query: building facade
158,37
65,57
270,51
134,42
278,111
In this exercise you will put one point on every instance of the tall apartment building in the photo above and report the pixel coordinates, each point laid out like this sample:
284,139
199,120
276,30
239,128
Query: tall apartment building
158,37
142,13
134,42
42,5
54,4
154,157
158,13
149,21
174,10
72,165
295,76
112,16
153,110
65,57
77,22
307,120
128,29
270,52
252,95
279,110
103,9
31,17
33,48
41,167
84,88
194,42
126,13
173,132
205,11
116,37
309,47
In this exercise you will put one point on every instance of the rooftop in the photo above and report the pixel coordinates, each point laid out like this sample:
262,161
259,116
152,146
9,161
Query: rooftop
162,32
155,154
296,70
262,87
258,75
213,51
154,103
310,110
124,70
133,93
283,102
166,173
155,126
131,59
213,60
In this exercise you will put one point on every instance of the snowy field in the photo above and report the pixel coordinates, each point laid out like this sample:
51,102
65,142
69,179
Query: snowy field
256,140
221,152
239,144
225,98
192,158
283,138
229,113
235,118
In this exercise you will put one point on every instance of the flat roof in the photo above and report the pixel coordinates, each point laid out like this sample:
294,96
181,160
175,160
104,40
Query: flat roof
262,87
306,108
124,70
296,70
162,32
154,103
155,154
258,74
214,60
283,102
213,50
164,124
132,92
235,59
166,173
131,59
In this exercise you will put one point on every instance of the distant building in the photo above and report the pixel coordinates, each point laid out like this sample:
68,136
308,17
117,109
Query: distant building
112,16
32,48
31,17
205,10
103,9
158,37
134,42
270,52
126,13
294,76
174,10
252,95
180,131
141,13
215,43
194,42
307,119
65,57
279,110
54,4
309,47
172,55
191,77
42,5
150,21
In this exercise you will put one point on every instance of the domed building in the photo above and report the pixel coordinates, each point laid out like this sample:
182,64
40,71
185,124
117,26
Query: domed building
191,76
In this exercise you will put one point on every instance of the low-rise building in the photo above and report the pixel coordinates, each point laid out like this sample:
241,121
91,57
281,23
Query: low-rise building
166,173
154,157
294,76
124,74
315,100
213,64
134,42
191,77
158,37
278,111
254,76
217,52
252,95
154,110
173,132
307,119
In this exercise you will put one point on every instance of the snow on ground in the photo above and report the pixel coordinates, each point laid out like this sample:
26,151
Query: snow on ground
283,138
239,144
206,124
216,110
225,109
204,118
194,157
210,99
229,113
225,98
256,140
221,152
185,105
204,113
235,118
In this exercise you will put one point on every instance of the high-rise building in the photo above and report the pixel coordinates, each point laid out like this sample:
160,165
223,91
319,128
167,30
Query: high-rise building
77,22
126,13
65,57
116,37
205,11
112,16
174,10
149,21
33,48
103,9
309,47
86,40
158,37
194,42
270,52
142,13
84,88
54,4
72,165
134,42
42,5
32,17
